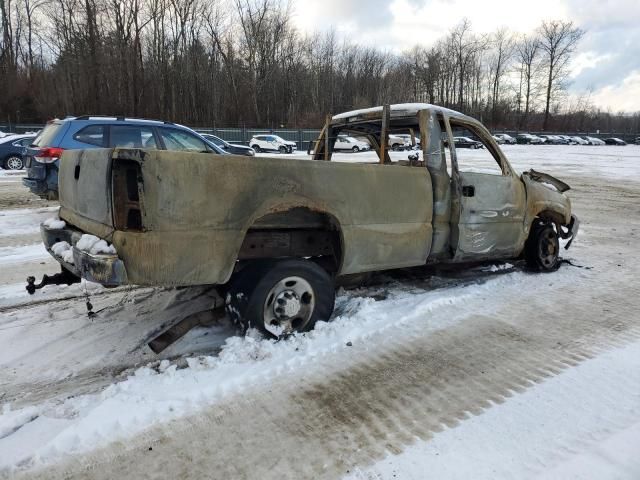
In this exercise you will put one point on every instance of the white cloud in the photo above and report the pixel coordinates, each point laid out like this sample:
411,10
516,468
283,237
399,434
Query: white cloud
587,60
401,24
426,23
624,96
607,60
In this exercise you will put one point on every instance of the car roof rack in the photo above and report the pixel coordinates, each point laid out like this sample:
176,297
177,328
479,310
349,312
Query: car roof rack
121,118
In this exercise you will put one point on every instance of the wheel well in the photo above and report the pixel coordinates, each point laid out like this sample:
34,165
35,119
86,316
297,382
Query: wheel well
295,233
550,215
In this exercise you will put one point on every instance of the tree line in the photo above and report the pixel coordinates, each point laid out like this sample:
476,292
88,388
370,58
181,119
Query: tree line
243,63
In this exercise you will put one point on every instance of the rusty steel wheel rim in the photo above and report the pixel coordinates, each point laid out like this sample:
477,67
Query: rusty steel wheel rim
548,248
288,306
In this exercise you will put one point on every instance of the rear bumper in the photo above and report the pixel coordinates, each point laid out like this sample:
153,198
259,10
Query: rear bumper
41,178
107,270
36,186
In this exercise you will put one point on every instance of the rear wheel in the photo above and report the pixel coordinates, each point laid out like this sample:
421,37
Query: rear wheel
256,148
542,249
281,297
14,163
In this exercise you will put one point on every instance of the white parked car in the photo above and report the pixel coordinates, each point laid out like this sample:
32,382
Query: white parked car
271,143
508,139
594,141
407,139
568,139
579,141
397,142
498,139
528,139
345,142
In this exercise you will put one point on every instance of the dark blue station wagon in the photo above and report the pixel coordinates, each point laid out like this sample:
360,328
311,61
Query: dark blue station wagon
42,157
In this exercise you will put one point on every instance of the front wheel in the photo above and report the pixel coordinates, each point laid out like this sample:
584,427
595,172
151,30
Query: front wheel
283,149
14,163
355,149
542,248
281,297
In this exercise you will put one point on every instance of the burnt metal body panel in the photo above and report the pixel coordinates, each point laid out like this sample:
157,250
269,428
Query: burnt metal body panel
199,213
198,208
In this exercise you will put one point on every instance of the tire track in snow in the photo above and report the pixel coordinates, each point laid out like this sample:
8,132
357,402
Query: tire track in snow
393,395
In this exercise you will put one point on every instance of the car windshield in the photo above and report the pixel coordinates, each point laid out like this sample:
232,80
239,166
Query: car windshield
46,136
179,140
216,140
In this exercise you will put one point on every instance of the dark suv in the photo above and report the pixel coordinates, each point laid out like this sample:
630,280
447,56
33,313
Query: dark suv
42,158
12,149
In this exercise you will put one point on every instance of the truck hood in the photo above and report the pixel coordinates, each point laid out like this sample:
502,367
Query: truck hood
546,178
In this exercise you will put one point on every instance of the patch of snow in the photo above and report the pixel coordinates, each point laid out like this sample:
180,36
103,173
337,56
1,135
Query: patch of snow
23,221
25,253
67,256
159,393
54,222
11,421
94,245
499,268
64,251
86,242
60,247
101,246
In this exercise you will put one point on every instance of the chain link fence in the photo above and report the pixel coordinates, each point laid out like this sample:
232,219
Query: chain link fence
302,137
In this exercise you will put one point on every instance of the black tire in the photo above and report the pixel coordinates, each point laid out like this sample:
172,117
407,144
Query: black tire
283,149
252,301
355,149
13,162
542,248
395,147
256,148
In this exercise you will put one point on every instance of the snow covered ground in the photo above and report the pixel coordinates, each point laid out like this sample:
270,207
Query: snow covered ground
490,372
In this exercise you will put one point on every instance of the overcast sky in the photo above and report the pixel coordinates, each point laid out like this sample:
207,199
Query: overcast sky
607,61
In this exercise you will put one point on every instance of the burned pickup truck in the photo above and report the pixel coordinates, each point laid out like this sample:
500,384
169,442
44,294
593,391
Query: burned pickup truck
275,234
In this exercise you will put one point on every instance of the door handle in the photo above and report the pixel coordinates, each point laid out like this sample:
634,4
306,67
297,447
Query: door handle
468,191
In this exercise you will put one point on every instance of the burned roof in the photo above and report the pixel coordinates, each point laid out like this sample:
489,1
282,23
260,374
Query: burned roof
398,110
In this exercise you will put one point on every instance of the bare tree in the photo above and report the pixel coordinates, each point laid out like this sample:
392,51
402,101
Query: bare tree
503,46
527,52
202,63
466,46
558,40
